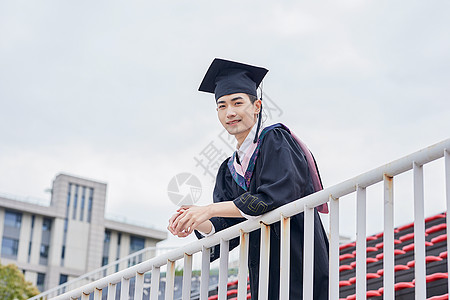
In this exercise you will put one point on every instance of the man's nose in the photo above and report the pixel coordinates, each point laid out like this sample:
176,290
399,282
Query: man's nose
231,113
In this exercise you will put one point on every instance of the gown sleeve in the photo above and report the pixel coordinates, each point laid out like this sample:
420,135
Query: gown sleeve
223,191
283,175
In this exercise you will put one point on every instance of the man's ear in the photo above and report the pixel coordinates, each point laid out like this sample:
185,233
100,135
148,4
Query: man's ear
258,104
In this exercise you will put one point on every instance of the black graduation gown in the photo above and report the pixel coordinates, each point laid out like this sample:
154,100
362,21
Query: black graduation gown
281,175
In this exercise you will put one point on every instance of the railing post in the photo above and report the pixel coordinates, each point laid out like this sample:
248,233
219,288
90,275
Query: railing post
285,254
447,196
85,296
204,278
388,239
97,294
334,249
419,234
111,291
187,277
125,289
223,269
154,288
170,280
263,288
243,265
138,286
308,248
361,246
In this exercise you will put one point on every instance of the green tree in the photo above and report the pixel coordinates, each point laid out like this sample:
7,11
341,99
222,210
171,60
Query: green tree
13,285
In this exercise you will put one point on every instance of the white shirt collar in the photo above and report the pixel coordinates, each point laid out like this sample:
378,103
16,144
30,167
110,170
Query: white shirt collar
248,141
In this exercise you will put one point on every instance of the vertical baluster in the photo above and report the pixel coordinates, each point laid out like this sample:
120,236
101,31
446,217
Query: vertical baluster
334,249
84,296
204,279
388,239
139,286
223,269
361,243
154,288
187,277
111,291
447,194
97,294
243,266
308,248
170,280
285,256
264,263
419,234
125,289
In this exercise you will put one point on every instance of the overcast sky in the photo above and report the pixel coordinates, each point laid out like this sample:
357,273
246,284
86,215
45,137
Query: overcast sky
108,89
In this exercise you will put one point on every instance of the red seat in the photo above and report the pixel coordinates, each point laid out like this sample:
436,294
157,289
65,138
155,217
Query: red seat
345,268
396,268
441,297
232,292
235,282
443,255
408,237
440,216
403,285
346,256
368,260
215,297
405,226
344,283
428,259
436,276
368,276
371,238
368,249
368,294
342,247
396,252
436,228
410,247
440,238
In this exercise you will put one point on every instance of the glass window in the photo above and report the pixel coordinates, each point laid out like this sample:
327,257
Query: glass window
75,202
83,199
13,219
40,281
68,195
63,252
136,243
62,278
9,247
47,224
44,251
90,200
107,236
104,261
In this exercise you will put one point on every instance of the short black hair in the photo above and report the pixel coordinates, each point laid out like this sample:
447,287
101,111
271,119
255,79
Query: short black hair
252,98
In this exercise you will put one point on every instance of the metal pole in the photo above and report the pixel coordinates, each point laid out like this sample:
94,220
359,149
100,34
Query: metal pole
170,280
187,277
111,291
285,253
361,243
263,288
223,269
243,266
334,249
419,234
125,289
447,195
388,239
308,248
204,278
154,286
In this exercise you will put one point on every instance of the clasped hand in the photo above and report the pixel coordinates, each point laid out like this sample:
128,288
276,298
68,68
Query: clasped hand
187,218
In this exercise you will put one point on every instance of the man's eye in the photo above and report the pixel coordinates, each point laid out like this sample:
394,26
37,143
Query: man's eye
221,106
238,103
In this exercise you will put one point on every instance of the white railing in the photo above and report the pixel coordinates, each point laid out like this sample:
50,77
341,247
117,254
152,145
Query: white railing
127,261
357,184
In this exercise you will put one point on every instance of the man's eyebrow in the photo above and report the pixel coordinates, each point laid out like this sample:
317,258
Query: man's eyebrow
234,99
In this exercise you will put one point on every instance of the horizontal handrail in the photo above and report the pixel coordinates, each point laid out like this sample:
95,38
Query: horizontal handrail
349,186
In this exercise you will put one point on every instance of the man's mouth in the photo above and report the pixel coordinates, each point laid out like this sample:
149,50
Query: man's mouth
233,122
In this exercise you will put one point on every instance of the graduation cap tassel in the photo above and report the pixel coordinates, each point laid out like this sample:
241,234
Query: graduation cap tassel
258,126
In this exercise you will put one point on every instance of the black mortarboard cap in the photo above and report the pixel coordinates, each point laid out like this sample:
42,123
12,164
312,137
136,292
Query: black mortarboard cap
226,77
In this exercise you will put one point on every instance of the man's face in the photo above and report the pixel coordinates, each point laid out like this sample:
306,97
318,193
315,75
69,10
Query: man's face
237,114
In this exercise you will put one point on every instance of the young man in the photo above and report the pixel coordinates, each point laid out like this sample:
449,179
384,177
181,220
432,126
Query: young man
268,169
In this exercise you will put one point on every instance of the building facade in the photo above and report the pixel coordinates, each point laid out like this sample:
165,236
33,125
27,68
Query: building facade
70,237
